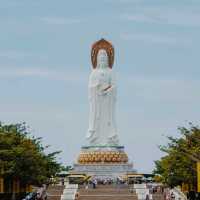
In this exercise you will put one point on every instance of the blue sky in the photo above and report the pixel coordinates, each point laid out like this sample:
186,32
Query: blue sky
45,64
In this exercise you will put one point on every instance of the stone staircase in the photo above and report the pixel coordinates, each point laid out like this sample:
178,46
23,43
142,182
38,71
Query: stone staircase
54,192
106,192
102,192
158,196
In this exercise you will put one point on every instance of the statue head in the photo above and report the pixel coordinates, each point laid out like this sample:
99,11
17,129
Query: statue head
102,59
97,48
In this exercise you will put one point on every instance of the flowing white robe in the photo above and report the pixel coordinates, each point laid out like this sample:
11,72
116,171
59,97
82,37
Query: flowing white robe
102,126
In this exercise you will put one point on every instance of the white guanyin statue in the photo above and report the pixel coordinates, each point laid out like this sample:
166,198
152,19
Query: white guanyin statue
102,99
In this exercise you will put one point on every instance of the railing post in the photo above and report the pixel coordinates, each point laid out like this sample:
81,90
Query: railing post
1,185
198,176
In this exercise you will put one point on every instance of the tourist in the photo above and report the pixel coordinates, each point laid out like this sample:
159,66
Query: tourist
86,186
77,196
31,196
94,184
63,181
104,182
172,196
41,193
168,196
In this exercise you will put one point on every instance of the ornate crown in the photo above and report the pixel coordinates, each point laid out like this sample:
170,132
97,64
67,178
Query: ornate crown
102,44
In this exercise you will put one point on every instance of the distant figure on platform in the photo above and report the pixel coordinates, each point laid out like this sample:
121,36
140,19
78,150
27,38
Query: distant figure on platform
86,186
94,183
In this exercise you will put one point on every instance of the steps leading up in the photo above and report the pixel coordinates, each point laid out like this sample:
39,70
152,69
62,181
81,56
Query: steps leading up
107,192
54,192
102,192
158,196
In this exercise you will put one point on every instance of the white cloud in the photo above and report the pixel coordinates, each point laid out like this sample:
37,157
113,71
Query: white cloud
18,55
165,89
42,72
14,54
164,16
140,18
123,1
181,18
155,38
60,20
7,4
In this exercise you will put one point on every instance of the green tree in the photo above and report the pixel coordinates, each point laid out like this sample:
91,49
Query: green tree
179,164
23,156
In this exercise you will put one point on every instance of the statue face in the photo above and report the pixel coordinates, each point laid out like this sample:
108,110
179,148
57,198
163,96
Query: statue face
102,58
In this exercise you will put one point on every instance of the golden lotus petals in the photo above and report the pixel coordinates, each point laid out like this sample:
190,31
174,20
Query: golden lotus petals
102,157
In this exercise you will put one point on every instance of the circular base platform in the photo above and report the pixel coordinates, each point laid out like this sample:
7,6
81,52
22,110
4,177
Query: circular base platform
103,161
102,154
104,170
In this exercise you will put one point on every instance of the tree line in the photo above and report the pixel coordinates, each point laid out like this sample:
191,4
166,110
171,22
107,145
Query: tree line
23,157
178,165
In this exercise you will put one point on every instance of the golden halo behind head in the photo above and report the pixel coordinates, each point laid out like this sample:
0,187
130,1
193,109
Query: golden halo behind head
102,44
